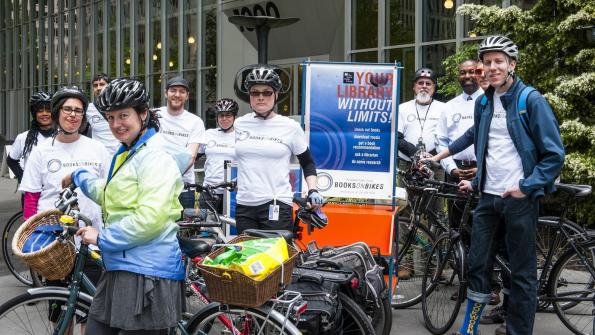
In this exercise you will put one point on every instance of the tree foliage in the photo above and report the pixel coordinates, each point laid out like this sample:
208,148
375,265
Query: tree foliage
557,56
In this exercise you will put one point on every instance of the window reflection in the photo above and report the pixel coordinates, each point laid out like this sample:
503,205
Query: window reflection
209,49
438,22
400,22
126,60
468,26
405,56
172,36
140,37
364,24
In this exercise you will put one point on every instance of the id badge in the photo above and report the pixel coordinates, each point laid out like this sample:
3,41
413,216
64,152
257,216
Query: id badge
274,212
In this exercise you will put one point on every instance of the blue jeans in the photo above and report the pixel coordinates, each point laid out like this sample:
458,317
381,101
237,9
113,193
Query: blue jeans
519,217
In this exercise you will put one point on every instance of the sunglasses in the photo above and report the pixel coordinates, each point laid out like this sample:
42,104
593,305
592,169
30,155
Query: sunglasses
259,93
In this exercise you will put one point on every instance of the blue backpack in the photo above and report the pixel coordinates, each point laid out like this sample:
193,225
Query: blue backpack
521,106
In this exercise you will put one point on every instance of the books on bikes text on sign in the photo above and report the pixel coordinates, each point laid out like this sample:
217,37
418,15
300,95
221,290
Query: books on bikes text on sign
350,117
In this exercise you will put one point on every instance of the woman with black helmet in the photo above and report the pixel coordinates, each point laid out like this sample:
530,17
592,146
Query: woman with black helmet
265,143
218,145
40,129
51,160
141,290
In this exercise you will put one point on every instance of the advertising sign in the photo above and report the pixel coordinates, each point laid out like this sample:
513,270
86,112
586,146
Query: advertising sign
350,116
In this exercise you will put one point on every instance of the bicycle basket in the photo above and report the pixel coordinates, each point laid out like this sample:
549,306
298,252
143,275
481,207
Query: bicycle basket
237,289
56,260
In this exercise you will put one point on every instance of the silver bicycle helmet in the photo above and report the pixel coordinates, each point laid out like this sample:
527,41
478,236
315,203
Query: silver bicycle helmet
39,100
122,93
263,75
226,105
498,43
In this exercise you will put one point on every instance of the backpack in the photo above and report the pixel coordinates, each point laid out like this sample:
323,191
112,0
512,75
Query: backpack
521,106
371,288
323,315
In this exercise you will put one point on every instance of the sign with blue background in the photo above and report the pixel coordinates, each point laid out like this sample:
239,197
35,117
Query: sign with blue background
350,116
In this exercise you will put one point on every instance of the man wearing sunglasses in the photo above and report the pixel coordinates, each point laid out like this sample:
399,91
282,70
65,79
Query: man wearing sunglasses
182,128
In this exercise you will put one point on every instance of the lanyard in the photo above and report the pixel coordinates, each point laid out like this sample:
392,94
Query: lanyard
425,119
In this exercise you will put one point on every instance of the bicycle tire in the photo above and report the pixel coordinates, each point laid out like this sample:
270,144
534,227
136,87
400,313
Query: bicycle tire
206,321
441,281
18,268
382,318
29,313
417,244
570,278
355,320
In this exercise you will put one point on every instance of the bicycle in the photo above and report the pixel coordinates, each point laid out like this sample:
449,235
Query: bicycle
566,279
59,310
19,270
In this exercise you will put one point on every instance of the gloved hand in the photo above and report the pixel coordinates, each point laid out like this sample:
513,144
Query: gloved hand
315,199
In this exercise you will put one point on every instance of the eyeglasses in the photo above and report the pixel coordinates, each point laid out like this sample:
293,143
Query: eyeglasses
424,83
259,93
69,110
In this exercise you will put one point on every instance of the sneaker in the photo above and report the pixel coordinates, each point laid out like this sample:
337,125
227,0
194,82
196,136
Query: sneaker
501,330
494,299
496,315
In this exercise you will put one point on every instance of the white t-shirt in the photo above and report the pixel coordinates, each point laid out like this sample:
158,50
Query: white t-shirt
16,151
181,130
218,146
50,161
454,122
101,130
504,167
264,149
412,120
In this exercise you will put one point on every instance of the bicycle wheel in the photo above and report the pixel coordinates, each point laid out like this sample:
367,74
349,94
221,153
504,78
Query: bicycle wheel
415,242
216,318
355,320
36,313
442,290
382,318
571,287
14,264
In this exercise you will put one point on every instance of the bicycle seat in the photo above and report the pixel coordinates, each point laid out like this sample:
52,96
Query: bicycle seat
286,234
577,191
195,247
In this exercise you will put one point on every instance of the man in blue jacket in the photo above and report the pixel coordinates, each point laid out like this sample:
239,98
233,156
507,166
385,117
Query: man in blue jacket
518,158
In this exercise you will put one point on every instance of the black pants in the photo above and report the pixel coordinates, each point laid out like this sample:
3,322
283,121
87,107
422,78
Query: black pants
257,217
95,327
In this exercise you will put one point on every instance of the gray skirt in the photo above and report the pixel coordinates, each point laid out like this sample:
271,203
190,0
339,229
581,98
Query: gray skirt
132,301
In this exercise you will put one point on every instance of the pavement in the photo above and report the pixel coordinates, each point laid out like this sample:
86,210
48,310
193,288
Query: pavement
406,321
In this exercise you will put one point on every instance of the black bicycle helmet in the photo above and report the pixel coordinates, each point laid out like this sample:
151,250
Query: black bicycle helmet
425,72
498,43
226,105
263,75
39,100
60,97
122,93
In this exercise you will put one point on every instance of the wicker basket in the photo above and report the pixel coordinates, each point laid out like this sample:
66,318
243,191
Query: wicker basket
52,262
234,288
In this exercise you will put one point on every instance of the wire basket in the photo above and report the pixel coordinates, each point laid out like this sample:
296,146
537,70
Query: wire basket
53,262
234,288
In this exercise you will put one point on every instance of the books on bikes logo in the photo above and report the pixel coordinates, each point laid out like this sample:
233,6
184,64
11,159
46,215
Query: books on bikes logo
324,181
411,117
95,119
348,78
54,165
456,117
242,135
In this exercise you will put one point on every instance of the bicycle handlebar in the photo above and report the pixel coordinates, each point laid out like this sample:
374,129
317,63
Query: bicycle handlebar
202,188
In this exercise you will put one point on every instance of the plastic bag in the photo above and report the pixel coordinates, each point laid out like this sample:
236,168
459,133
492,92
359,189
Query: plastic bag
254,258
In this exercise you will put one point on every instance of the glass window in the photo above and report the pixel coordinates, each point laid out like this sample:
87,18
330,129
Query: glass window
433,55
76,46
209,93
156,35
16,14
405,56
209,30
368,56
140,37
438,22
191,105
157,94
364,24
65,47
99,36
191,35
87,19
172,36
111,42
43,8
126,60
400,22
55,54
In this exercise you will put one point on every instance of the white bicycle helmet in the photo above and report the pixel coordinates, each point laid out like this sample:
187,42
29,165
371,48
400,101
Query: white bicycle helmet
498,43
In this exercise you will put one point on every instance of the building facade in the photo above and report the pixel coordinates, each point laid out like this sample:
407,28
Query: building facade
46,44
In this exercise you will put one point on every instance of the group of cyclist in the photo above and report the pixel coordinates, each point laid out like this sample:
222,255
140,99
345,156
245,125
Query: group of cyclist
131,181
132,176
